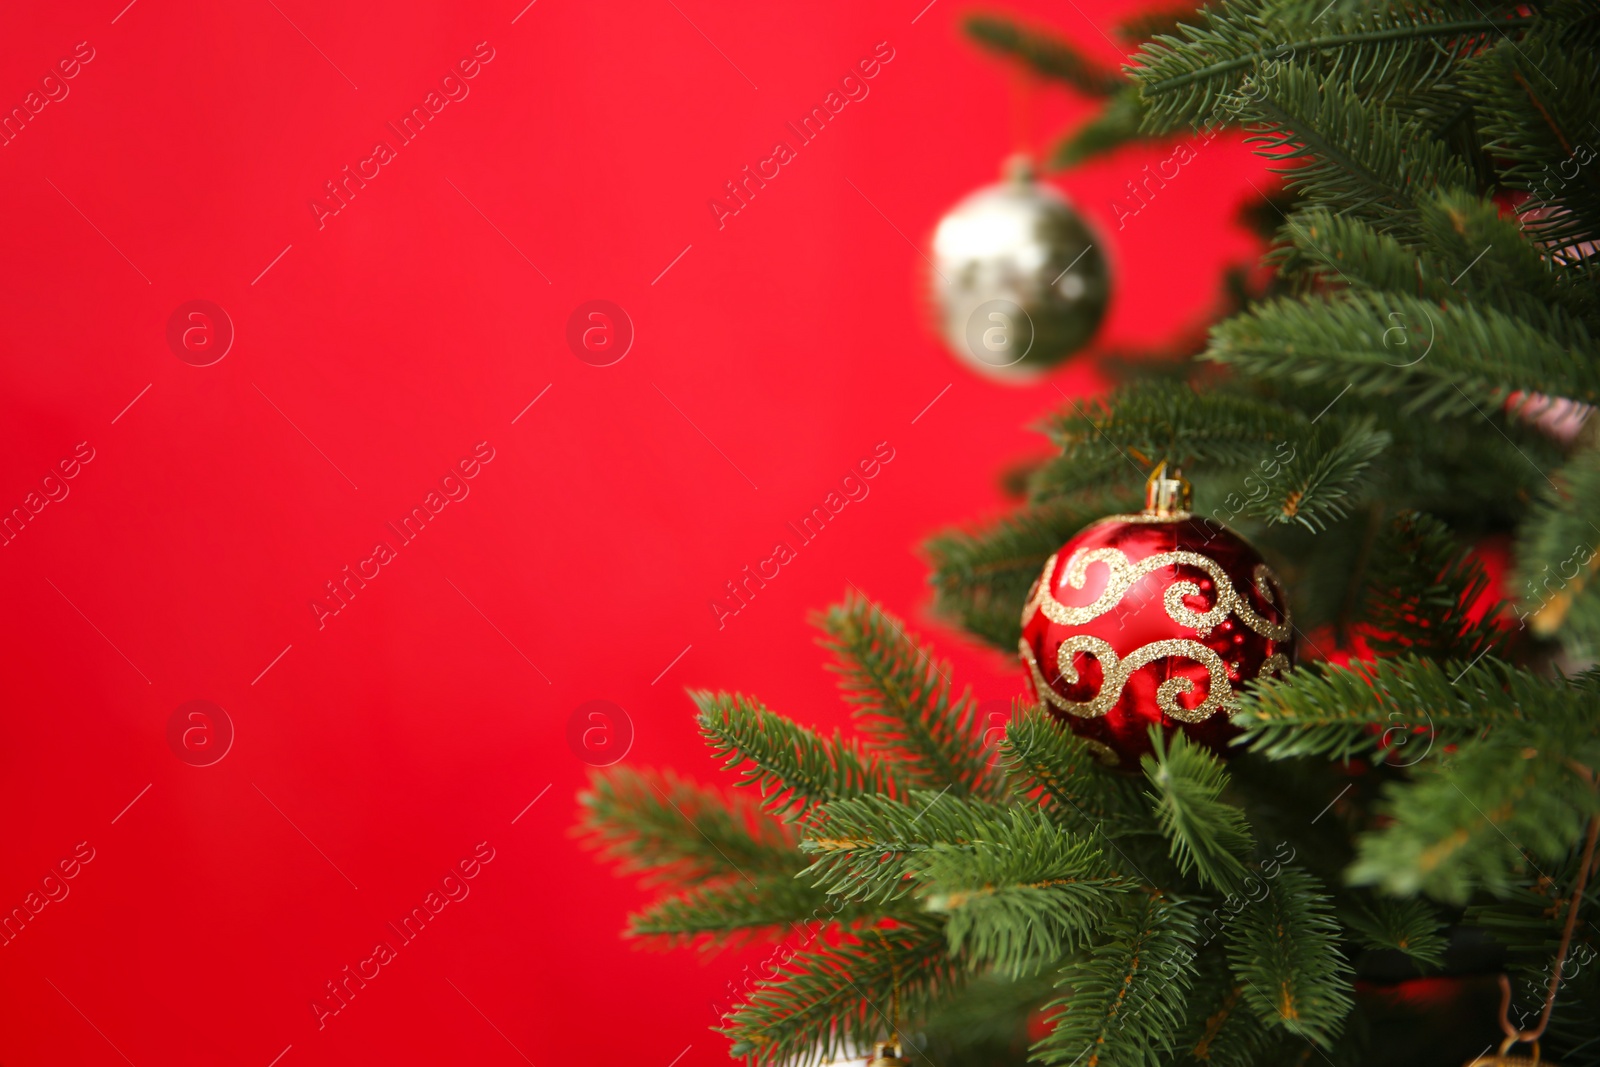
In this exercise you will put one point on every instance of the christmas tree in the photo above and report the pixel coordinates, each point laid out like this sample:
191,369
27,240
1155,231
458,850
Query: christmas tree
1404,831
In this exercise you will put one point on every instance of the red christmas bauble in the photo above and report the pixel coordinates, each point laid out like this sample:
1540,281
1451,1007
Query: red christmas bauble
1153,618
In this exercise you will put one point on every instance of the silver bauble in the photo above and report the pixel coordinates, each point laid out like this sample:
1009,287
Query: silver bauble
1019,281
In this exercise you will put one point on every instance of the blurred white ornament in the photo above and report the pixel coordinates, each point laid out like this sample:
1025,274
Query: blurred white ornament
1019,279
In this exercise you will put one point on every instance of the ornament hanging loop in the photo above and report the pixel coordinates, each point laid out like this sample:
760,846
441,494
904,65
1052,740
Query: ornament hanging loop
1503,1058
1531,1037
1505,1046
887,1053
1167,492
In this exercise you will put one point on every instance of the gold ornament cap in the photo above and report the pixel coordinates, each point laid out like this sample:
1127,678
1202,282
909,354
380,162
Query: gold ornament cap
887,1054
1020,169
1505,1058
1167,493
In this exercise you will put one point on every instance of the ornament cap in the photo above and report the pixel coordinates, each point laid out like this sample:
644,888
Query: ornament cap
887,1054
1019,168
1167,492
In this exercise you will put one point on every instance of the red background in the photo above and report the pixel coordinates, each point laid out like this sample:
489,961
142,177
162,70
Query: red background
376,352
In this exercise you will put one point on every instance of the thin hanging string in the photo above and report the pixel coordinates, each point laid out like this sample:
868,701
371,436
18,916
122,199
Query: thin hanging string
894,990
1023,84
894,994
1513,1035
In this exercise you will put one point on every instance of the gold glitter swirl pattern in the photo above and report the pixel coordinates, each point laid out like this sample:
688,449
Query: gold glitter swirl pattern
1123,574
1277,663
1273,595
1143,517
1042,687
1115,672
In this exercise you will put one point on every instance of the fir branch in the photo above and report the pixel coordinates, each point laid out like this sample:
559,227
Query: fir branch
1222,1031
672,830
1203,76
732,912
901,697
1472,358
1527,919
1335,249
1527,922
1343,150
1205,833
1484,256
1464,251
1285,951
1323,478
836,998
1020,903
1539,109
1334,712
1081,793
865,846
1574,1024
1302,470
1043,53
1141,424
1119,123
1122,1003
1473,476
1558,552
1424,592
793,767
1410,926
1470,815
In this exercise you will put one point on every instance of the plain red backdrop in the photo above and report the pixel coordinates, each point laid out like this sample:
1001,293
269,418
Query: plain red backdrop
374,753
